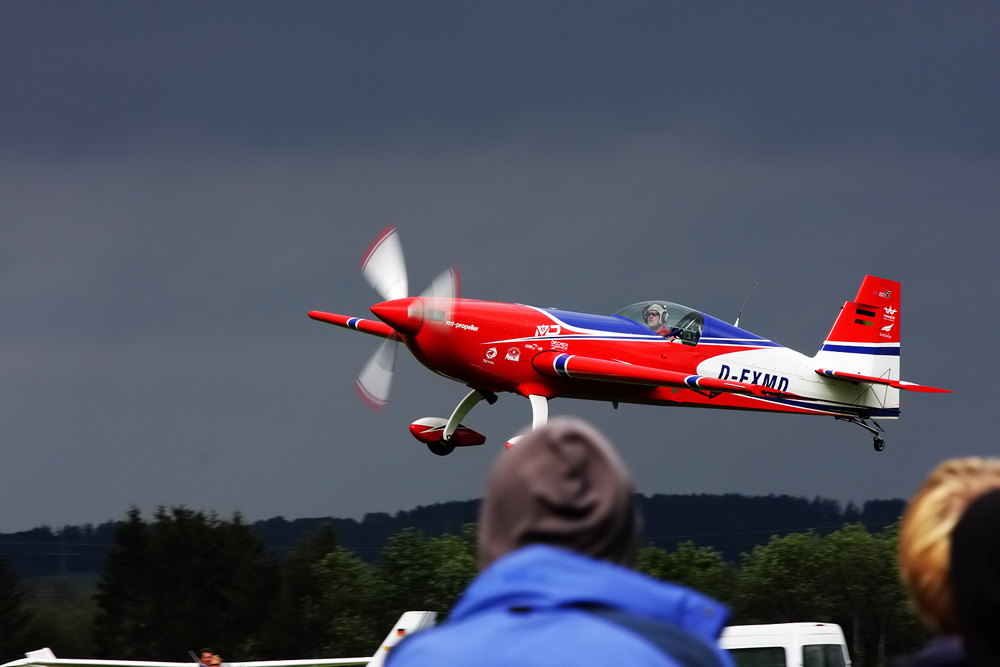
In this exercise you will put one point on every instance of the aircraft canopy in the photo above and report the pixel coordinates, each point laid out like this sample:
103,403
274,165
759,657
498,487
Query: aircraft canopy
675,321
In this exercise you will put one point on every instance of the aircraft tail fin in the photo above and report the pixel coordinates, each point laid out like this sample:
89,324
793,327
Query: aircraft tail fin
864,339
408,623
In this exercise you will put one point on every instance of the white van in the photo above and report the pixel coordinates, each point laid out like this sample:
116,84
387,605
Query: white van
786,645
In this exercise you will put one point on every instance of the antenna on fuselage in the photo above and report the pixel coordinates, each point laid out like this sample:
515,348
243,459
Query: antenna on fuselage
737,322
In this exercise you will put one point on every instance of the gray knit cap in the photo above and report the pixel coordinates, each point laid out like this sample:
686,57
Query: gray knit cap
562,485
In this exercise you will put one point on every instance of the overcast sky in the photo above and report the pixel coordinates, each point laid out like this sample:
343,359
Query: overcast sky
180,183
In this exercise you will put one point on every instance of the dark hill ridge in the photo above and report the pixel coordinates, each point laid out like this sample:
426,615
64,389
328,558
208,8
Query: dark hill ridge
730,523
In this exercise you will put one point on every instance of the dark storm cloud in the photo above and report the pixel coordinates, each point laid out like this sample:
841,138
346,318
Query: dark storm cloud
92,76
181,182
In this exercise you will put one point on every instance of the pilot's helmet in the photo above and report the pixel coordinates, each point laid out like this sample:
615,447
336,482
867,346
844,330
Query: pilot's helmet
654,309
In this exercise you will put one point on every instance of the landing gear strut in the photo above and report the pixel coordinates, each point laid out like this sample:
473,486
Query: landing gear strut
446,445
875,430
539,416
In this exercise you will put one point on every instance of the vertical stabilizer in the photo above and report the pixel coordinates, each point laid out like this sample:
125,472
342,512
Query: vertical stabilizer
865,338
408,623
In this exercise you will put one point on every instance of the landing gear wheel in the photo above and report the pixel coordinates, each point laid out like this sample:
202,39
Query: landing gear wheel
879,444
441,448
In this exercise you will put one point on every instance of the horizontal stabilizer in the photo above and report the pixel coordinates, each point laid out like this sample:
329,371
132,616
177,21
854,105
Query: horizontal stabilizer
898,384
559,364
372,327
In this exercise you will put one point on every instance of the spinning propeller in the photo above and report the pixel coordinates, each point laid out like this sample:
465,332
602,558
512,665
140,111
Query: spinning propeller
384,268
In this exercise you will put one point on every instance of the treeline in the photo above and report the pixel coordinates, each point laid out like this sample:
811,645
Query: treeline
730,523
184,579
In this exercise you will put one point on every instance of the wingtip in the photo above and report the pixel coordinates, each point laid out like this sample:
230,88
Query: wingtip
924,389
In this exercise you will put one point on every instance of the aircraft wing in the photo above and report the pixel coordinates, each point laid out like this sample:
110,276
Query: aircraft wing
372,327
408,623
35,660
898,384
560,364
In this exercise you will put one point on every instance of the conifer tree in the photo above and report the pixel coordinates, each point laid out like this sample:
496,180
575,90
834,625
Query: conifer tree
186,580
124,593
13,616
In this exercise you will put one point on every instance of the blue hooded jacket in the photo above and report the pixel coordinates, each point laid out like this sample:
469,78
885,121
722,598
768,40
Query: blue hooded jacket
519,611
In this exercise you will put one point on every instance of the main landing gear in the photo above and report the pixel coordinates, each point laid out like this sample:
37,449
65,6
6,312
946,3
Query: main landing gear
442,436
878,443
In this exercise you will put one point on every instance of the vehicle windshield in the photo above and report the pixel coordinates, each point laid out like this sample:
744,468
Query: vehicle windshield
671,320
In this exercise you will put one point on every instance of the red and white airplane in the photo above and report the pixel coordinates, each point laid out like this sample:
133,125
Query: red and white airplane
653,352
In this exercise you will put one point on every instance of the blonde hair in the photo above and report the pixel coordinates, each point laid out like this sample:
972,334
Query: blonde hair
925,535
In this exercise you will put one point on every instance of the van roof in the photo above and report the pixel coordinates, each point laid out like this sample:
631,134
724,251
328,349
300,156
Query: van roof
774,634
783,626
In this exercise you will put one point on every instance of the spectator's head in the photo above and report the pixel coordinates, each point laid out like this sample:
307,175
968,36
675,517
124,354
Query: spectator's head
975,578
561,485
205,655
925,536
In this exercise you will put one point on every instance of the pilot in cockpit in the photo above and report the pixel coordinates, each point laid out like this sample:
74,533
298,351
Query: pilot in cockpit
655,317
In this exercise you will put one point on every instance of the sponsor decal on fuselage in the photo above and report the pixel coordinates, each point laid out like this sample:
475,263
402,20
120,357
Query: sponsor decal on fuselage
490,353
772,380
548,330
461,325
513,354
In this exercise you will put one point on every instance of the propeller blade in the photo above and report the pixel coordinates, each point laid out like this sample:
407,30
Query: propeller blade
375,379
384,267
445,286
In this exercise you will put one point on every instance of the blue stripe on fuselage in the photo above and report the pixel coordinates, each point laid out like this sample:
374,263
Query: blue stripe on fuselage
862,349
604,323
714,331
835,408
717,332
560,364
